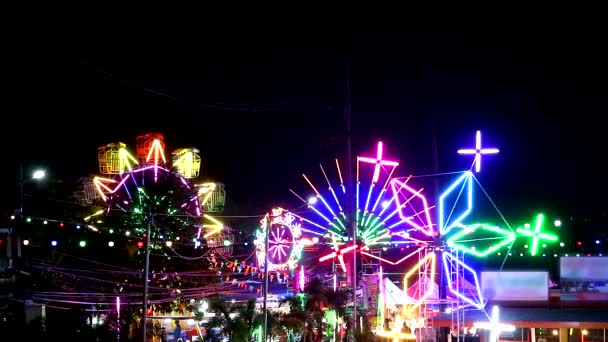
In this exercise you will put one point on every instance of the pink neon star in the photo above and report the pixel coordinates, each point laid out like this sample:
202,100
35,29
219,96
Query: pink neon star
378,161
478,151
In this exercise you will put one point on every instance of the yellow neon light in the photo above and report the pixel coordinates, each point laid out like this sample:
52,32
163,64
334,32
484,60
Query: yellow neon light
125,160
215,227
98,212
187,161
204,192
429,258
102,187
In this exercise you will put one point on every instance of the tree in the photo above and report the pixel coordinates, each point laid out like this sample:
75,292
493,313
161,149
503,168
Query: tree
238,323
307,310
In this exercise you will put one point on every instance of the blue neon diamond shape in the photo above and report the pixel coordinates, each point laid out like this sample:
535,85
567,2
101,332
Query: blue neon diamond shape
448,216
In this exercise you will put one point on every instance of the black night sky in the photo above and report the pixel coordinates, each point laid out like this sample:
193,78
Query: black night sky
263,100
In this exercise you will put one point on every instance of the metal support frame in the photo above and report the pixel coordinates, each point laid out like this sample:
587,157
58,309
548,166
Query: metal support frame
457,305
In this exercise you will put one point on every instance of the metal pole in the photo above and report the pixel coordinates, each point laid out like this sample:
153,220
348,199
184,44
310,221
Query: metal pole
266,276
146,272
21,181
351,210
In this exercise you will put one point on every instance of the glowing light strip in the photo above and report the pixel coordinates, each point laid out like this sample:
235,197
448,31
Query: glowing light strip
100,186
157,149
340,175
478,151
448,258
338,252
381,195
467,179
369,195
428,259
507,238
302,278
215,227
370,242
494,325
393,262
335,217
390,201
207,190
125,159
335,282
331,189
414,194
536,235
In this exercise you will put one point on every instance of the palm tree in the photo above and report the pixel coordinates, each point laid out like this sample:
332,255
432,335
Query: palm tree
307,310
239,322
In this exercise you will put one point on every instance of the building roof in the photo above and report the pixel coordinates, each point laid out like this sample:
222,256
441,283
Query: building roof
535,318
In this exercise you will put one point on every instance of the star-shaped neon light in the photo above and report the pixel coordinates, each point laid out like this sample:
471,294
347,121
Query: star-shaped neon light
536,234
378,161
478,151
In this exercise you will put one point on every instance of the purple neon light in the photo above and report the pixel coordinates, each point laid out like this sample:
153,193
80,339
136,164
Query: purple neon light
421,212
458,289
302,278
279,244
478,151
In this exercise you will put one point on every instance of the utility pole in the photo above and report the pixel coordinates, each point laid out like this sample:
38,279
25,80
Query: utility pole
21,181
351,210
268,222
442,291
146,272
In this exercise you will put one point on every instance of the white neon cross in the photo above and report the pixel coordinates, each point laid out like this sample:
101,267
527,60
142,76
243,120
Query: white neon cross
494,325
478,151
378,161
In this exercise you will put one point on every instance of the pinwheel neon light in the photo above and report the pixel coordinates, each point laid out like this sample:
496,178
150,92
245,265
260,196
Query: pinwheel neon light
338,253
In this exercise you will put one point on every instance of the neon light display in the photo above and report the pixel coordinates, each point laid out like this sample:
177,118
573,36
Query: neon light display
463,186
463,241
378,162
132,188
494,325
425,266
478,151
456,283
412,206
187,162
284,240
381,214
338,253
536,235
301,279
